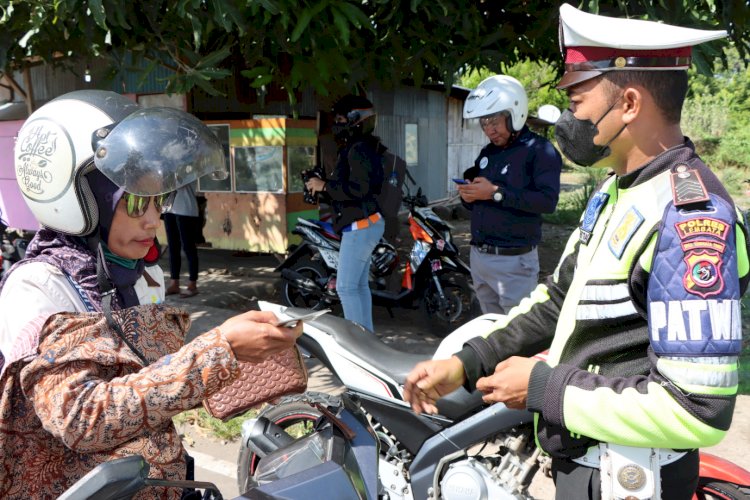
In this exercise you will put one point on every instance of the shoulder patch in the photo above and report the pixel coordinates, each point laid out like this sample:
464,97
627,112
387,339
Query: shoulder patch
687,186
693,290
591,215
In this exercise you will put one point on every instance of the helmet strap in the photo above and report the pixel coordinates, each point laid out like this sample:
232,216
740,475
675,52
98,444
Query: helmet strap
108,290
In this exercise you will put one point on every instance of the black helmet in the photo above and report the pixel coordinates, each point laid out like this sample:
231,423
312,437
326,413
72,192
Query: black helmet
384,259
360,116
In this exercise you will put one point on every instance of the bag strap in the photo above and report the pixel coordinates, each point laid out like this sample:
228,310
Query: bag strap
81,293
107,290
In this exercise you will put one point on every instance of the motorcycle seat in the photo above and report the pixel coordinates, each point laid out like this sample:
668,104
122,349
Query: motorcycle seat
366,345
327,228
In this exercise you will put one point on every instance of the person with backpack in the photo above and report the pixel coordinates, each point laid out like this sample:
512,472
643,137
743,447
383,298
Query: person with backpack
353,189
514,180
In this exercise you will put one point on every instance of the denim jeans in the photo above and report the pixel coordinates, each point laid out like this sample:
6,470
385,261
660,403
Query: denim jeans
352,280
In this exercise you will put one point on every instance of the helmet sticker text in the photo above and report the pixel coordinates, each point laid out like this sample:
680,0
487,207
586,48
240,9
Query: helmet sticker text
42,148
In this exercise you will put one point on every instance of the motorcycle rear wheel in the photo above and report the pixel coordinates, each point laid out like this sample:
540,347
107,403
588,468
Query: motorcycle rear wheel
292,296
721,490
296,415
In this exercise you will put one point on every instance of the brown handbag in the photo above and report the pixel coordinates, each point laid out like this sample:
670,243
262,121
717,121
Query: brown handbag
280,374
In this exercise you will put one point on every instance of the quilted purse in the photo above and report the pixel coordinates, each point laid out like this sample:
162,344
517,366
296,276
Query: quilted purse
278,375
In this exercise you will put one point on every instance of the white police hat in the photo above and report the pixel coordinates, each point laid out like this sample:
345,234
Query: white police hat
593,44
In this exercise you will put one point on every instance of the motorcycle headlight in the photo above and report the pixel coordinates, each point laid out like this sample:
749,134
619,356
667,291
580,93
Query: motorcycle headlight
301,455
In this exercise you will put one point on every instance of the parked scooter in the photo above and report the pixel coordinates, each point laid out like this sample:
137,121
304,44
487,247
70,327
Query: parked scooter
338,460
427,456
434,279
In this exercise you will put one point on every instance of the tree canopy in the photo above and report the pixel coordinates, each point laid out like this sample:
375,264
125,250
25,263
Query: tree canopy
331,45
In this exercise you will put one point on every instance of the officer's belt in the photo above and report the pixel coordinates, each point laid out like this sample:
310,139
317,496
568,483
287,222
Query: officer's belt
593,456
492,249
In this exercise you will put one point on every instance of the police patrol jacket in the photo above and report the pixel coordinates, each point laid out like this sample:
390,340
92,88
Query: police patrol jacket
641,316
528,170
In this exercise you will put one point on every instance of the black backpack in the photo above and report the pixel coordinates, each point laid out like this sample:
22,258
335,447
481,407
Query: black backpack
389,199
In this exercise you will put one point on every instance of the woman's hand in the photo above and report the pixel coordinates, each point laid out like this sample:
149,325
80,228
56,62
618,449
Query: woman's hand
253,336
315,185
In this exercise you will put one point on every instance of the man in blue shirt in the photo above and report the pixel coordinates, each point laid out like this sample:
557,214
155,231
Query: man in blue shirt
515,179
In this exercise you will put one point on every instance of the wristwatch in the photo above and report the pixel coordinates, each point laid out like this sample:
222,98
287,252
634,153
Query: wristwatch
498,196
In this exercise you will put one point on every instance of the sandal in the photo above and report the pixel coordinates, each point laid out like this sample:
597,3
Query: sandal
172,291
189,293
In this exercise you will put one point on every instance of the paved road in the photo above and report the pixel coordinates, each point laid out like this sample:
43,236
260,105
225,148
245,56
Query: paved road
232,283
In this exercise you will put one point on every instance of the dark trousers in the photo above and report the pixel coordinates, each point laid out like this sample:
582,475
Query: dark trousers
573,481
181,234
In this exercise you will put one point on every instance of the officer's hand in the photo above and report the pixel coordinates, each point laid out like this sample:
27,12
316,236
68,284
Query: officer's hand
253,337
315,184
431,380
479,189
510,382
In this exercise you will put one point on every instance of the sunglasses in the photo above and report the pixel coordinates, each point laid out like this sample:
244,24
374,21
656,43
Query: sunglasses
137,205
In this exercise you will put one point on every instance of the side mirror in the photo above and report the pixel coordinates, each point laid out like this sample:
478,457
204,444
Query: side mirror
121,478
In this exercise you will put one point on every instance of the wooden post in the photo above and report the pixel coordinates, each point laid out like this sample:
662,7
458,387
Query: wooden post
29,90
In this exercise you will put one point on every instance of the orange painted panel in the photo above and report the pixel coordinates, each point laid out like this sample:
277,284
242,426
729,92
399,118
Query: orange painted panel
254,222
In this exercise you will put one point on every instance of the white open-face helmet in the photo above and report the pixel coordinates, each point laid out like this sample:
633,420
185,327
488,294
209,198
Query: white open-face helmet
147,152
497,94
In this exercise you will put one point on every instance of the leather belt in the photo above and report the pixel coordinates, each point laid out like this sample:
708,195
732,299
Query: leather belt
492,249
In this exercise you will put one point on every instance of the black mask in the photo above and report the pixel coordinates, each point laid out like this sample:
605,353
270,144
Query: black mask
340,131
576,138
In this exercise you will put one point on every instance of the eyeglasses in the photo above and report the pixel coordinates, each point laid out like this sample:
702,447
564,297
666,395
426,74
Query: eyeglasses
137,205
492,121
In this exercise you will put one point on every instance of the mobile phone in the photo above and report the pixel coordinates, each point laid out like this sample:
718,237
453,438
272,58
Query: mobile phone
291,322
460,181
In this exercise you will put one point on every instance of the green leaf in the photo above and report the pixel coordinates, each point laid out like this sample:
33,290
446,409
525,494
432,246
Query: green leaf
342,24
302,22
146,72
269,6
207,87
97,10
220,15
261,80
356,16
214,57
197,30
254,73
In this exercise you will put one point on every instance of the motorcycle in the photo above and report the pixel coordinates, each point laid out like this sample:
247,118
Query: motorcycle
338,460
433,456
13,245
434,279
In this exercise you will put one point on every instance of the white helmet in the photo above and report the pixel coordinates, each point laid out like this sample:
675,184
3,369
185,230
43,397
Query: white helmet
548,113
497,94
143,151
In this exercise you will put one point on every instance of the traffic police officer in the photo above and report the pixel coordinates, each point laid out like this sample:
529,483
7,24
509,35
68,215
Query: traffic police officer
643,358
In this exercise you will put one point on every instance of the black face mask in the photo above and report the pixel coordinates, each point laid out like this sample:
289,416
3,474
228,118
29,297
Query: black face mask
576,138
340,131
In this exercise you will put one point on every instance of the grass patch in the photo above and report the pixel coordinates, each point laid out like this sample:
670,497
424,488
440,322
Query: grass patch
744,387
229,431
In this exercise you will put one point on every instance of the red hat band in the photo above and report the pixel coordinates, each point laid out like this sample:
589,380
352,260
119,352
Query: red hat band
606,58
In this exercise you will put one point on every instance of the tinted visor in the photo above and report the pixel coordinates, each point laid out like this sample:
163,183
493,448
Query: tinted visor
157,150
